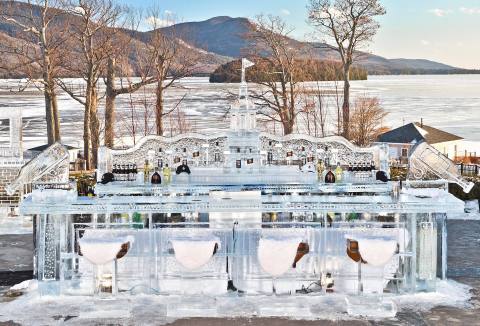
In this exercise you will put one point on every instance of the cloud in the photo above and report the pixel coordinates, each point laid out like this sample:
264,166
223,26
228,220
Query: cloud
440,12
469,11
285,12
425,42
155,22
168,12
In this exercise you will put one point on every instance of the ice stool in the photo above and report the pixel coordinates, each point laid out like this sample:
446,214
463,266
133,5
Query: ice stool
101,251
375,251
277,254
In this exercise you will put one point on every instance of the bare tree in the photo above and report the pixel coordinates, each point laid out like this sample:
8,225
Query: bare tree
367,121
39,52
352,25
276,60
173,60
123,50
314,112
93,30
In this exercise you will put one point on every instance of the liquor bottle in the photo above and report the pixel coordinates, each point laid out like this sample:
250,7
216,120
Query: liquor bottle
90,192
156,179
329,177
269,157
122,172
115,172
130,172
167,174
338,173
146,172
135,172
320,169
349,174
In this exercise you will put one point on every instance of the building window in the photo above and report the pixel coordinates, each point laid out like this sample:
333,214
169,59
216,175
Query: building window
404,152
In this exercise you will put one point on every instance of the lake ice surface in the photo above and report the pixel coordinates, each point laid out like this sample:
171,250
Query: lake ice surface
450,102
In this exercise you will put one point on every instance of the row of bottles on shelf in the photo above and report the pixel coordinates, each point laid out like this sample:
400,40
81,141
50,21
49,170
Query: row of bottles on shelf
149,174
125,172
353,173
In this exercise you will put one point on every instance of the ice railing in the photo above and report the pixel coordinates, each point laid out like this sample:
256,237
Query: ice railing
425,160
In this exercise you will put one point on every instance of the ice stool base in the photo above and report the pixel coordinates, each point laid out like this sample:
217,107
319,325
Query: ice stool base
370,306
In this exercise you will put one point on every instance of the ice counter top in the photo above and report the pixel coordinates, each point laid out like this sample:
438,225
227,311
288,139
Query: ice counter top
338,198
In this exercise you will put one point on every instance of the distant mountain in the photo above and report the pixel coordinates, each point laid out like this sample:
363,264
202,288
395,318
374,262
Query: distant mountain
12,34
223,35
221,39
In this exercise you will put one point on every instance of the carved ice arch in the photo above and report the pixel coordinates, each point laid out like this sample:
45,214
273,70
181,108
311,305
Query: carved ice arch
211,150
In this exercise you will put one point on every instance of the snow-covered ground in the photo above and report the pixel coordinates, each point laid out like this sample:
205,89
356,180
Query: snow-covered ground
14,224
30,309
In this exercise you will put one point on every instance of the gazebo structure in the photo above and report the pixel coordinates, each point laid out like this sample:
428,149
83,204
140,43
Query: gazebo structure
258,214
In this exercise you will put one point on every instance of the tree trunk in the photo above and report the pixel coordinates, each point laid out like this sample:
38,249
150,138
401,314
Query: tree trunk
56,115
49,117
110,104
346,101
288,126
86,133
94,126
159,108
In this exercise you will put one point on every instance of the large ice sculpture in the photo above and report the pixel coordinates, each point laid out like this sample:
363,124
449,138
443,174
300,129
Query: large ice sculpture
46,162
426,159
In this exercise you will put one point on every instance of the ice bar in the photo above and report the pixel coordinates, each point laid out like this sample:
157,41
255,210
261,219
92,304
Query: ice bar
241,212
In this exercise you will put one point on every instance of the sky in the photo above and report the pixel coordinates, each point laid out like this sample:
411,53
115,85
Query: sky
439,30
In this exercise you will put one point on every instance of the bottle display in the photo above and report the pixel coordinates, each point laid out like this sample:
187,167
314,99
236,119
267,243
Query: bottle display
183,168
338,173
156,179
320,169
330,176
146,172
167,174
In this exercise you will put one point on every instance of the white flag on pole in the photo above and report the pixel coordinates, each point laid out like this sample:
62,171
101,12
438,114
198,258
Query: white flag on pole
247,63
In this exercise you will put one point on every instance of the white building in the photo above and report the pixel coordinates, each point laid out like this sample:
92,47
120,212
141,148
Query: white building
402,139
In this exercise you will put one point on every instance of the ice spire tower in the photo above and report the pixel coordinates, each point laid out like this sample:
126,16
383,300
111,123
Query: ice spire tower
243,115
244,139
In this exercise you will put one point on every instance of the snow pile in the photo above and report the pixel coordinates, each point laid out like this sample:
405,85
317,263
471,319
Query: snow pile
30,309
449,293
14,224
471,212
29,285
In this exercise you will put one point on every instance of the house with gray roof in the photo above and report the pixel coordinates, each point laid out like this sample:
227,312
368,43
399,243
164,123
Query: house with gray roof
402,139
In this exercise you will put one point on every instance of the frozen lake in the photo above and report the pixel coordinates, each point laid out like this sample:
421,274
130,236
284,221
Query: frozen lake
450,102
